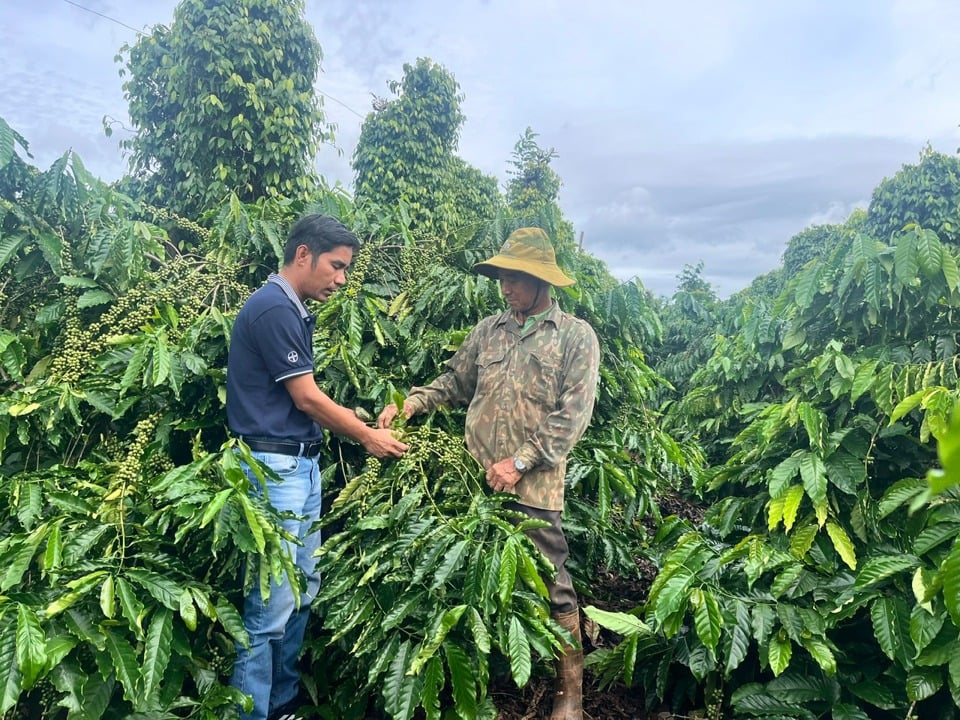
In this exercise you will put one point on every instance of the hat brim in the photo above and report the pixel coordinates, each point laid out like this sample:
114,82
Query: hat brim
548,273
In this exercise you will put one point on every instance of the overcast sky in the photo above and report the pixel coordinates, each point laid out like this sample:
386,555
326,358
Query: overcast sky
686,131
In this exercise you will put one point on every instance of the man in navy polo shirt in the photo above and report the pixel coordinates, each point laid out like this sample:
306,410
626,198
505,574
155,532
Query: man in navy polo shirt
275,406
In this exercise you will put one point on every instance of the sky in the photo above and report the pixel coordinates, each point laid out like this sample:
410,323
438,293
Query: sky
686,131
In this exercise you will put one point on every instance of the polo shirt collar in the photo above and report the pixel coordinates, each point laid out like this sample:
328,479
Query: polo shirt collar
289,292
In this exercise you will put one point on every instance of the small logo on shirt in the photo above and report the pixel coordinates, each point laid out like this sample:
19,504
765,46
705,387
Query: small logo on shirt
292,357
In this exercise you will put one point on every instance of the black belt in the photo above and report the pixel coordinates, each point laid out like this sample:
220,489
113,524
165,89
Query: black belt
284,447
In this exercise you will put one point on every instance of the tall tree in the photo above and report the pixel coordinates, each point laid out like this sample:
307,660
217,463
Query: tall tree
223,100
927,194
534,188
406,145
533,184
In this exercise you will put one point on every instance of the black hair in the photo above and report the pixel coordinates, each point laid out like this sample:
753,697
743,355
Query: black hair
320,233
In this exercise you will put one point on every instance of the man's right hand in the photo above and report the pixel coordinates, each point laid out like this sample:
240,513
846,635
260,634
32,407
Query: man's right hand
381,443
388,414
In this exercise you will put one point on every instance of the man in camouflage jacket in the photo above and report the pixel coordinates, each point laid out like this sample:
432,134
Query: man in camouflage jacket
528,377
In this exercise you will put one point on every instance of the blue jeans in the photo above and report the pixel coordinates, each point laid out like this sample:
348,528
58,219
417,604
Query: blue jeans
267,670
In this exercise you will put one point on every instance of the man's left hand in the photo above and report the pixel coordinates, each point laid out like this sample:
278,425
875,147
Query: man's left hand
503,476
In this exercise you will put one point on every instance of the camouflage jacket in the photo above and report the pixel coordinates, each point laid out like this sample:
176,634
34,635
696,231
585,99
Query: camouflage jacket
529,395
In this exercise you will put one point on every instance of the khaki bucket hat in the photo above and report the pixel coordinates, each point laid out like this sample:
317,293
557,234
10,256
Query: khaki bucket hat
527,250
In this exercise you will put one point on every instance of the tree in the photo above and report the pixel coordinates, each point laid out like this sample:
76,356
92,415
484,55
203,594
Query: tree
534,187
406,145
927,193
223,101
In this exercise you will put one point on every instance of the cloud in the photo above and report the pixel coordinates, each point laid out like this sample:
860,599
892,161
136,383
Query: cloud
686,131
732,206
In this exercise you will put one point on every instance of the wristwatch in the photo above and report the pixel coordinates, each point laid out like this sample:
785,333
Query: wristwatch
518,465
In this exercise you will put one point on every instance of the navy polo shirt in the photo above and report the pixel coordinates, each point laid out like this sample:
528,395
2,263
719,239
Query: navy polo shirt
271,341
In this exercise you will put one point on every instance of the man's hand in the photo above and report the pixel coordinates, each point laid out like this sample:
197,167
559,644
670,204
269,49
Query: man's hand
503,476
390,412
382,443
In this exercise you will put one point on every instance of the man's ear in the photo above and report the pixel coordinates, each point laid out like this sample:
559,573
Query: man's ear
303,254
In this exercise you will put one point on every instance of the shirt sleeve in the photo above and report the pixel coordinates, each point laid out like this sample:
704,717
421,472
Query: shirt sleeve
563,428
282,343
455,387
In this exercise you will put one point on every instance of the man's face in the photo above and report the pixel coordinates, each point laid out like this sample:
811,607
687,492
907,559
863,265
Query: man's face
325,273
519,289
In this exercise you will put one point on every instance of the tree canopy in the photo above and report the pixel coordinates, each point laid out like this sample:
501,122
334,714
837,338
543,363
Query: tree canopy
223,101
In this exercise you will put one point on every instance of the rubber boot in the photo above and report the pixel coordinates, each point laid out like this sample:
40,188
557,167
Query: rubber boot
568,701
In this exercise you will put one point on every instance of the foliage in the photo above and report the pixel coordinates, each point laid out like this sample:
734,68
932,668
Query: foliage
429,582
534,185
406,146
821,580
223,100
123,524
927,193
692,317
128,529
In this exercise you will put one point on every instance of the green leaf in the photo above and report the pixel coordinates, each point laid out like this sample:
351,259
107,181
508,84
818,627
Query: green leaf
132,374
779,651
950,578
843,711
253,522
440,628
801,540
402,610
814,476
31,645
951,274
842,544
899,494
10,677
782,474
231,621
162,588
905,262
433,682
863,379
93,298
161,360
708,619
923,683
108,597
130,606
20,562
463,680
877,569
620,623
807,285
480,634
451,562
124,662
398,686
156,652
822,653
924,627
508,570
739,639
518,648
929,253
188,611
791,505
907,404
891,627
